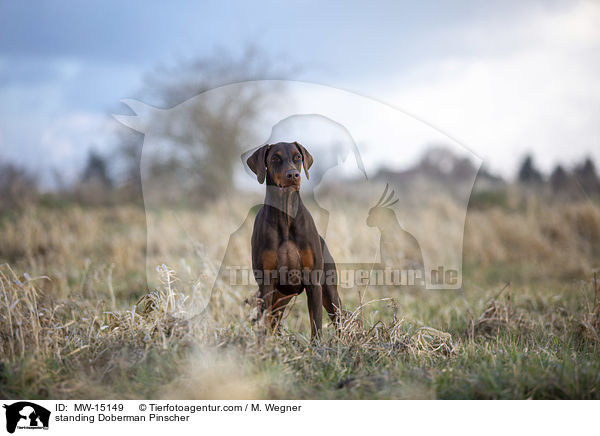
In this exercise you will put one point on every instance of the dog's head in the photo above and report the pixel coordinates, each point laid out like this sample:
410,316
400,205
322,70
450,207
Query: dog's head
280,164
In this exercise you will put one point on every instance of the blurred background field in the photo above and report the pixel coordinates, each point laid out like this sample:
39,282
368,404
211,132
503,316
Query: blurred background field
79,320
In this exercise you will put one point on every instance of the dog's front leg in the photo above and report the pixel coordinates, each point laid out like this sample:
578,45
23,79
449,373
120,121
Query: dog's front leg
314,295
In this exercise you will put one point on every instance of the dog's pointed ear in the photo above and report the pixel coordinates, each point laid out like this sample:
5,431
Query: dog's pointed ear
307,159
257,163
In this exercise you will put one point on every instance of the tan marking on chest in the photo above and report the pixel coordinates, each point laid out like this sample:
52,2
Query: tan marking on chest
307,258
269,260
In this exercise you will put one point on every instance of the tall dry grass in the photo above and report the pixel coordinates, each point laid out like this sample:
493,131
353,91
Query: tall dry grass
78,319
560,240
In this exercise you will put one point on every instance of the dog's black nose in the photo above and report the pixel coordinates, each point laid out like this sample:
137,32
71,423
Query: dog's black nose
293,174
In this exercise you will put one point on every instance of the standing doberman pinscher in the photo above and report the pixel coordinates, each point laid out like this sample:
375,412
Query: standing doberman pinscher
288,255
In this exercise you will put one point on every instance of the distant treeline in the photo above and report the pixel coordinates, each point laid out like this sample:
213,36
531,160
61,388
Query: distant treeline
583,178
96,186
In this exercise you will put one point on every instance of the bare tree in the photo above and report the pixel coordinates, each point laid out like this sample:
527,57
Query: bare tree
207,140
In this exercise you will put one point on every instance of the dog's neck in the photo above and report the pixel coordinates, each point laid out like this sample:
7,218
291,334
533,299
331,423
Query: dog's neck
286,201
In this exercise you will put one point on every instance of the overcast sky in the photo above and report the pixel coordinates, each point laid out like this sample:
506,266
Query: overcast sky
504,78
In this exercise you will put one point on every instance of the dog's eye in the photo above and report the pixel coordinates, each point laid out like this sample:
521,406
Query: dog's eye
275,158
297,157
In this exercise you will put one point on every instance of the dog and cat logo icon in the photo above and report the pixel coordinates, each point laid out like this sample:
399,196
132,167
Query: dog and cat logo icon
26,415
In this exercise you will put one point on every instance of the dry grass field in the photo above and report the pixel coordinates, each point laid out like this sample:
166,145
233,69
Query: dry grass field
79,319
